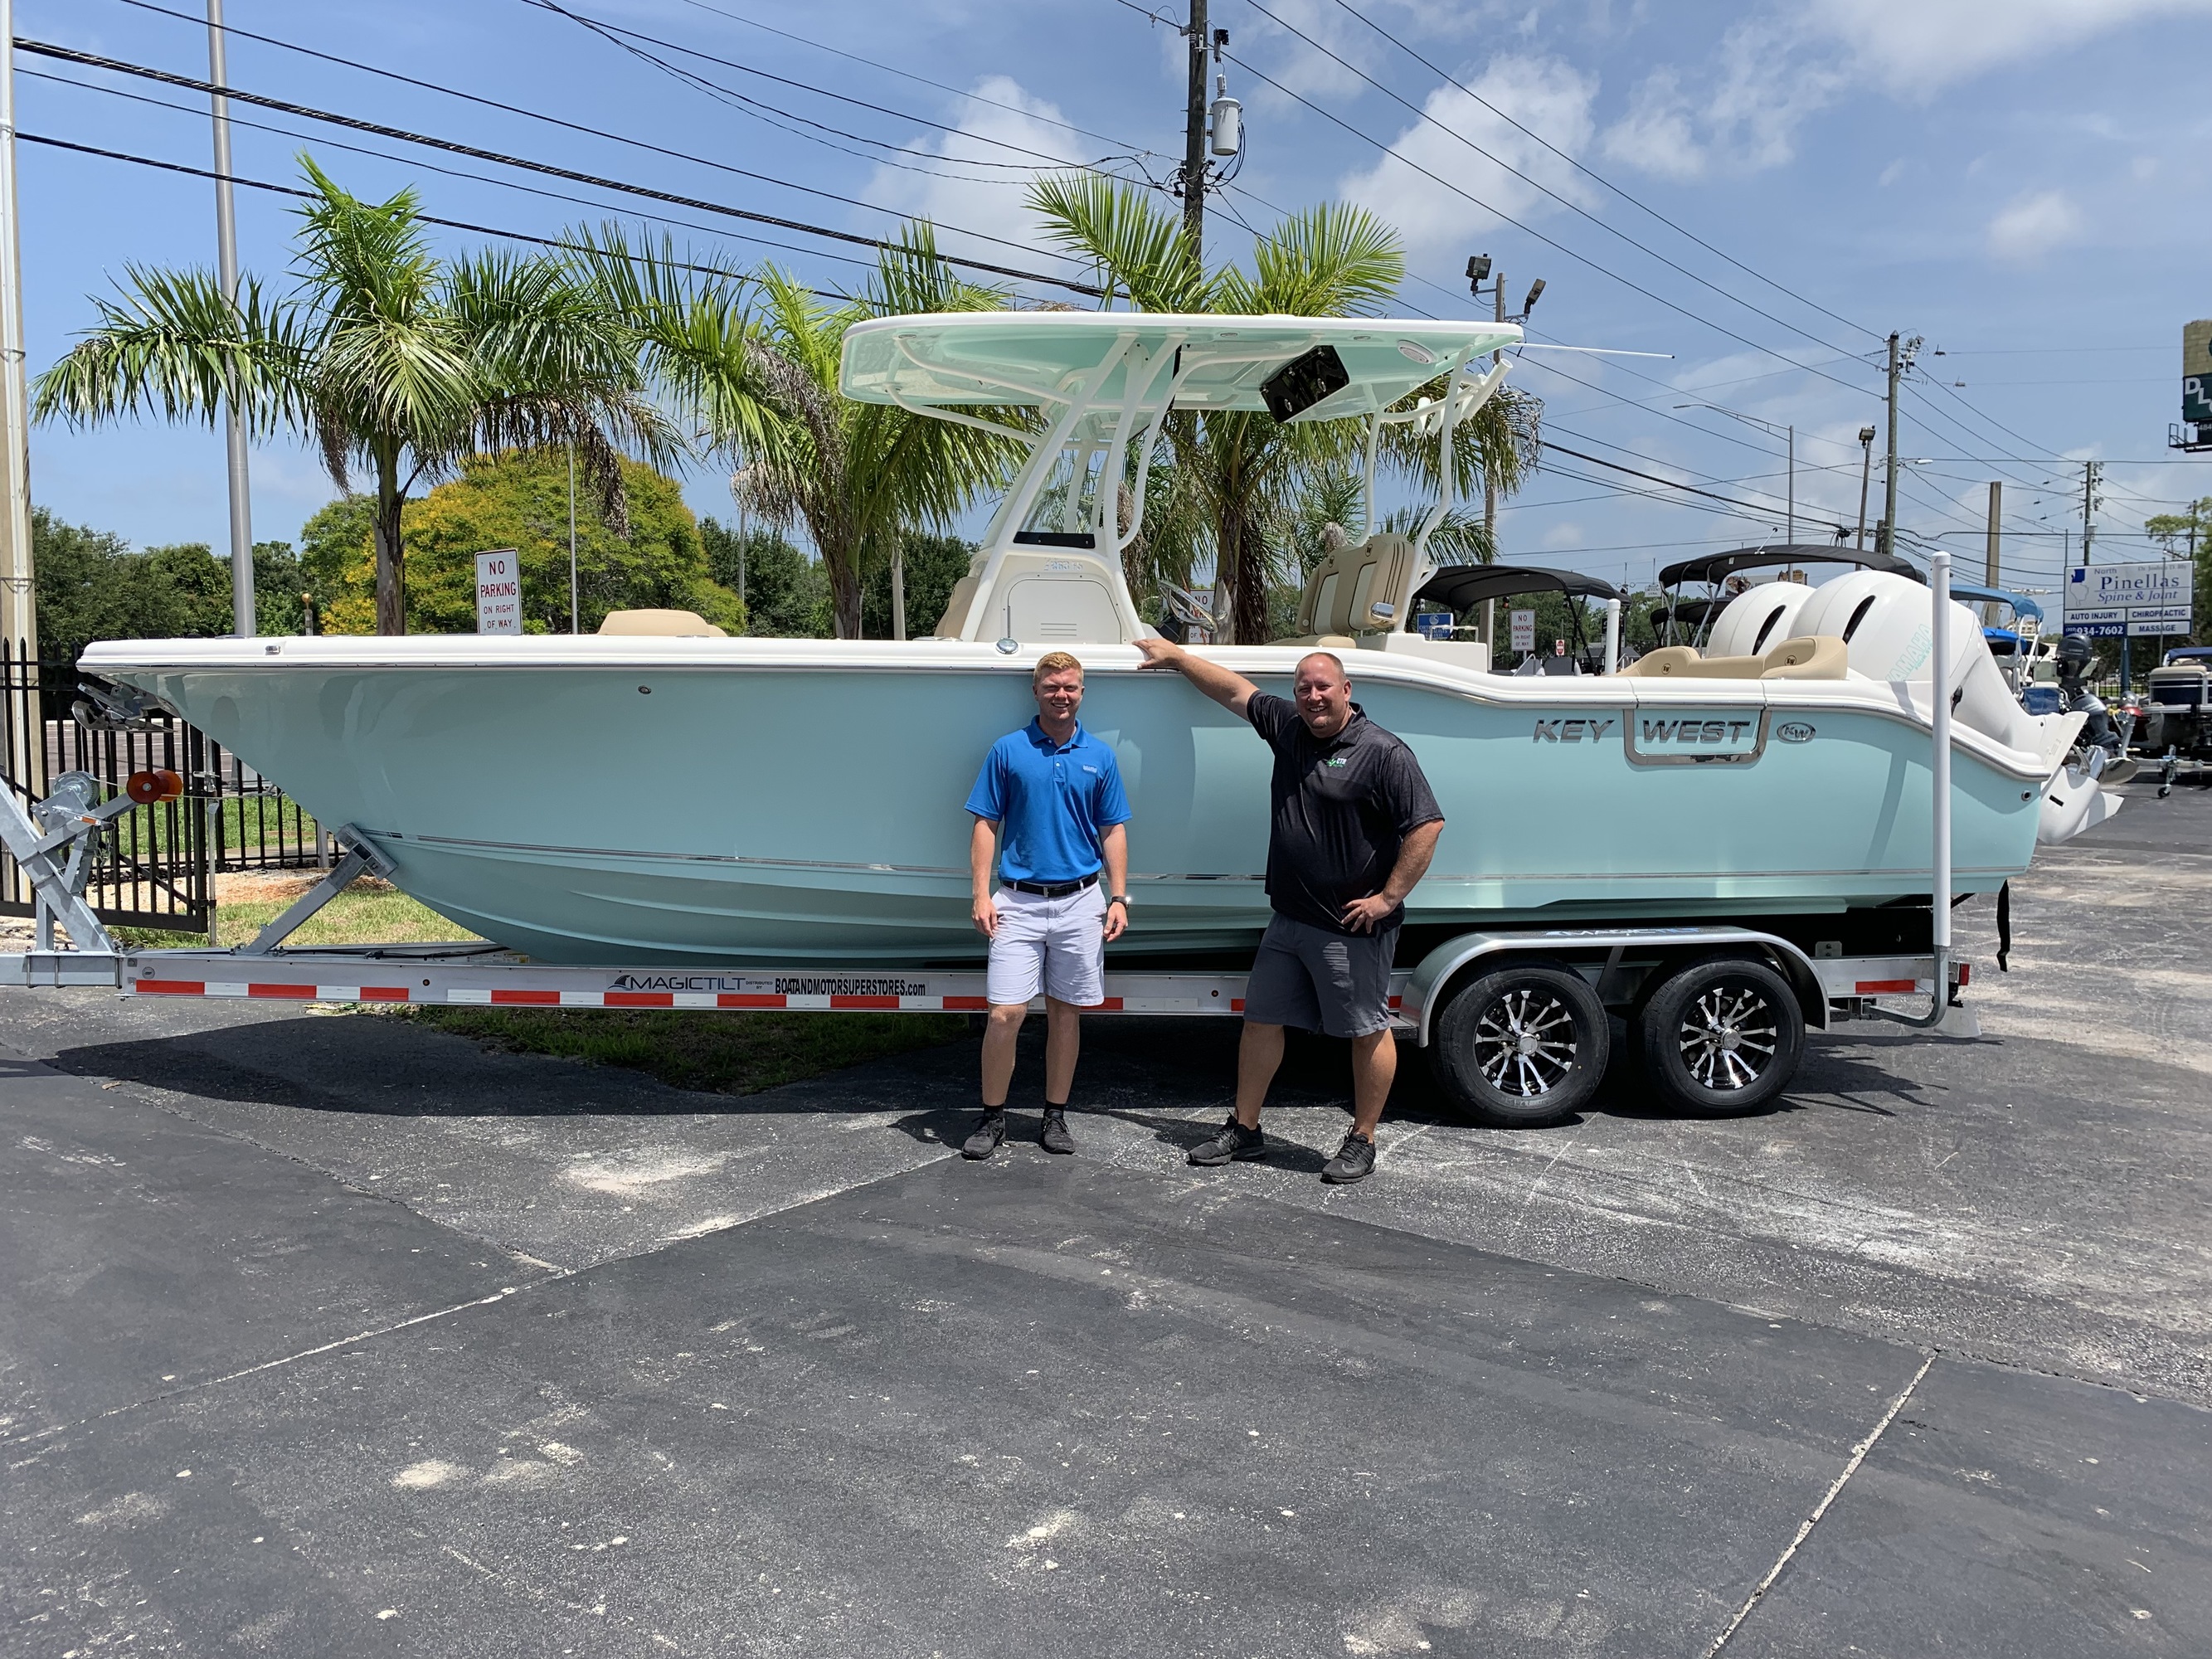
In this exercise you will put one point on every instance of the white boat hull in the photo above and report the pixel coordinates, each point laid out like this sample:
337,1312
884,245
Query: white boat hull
746,801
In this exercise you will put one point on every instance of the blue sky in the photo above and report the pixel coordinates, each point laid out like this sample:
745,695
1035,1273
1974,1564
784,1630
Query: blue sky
2021,182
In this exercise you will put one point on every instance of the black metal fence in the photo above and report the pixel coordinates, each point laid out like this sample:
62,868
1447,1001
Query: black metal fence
156,864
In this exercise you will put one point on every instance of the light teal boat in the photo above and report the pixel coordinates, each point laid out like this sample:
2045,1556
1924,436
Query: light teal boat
673,797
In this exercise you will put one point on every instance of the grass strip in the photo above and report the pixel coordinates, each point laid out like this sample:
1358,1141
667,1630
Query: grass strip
730,1053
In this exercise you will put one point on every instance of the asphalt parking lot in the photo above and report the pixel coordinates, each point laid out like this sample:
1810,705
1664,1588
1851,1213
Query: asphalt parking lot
336,1335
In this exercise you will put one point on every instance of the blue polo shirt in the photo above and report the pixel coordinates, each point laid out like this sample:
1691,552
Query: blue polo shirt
1055,802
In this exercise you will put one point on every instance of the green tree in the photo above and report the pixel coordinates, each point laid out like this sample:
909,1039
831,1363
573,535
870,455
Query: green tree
2188,535
387,358
1243,469
762,387
934,564
92,586
520,501
786,592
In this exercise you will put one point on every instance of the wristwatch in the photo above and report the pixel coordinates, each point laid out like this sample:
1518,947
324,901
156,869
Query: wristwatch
1121,899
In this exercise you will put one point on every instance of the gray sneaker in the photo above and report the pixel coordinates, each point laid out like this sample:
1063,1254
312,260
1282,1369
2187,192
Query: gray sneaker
1354,1161
1234,1144
987,1135
1056,1137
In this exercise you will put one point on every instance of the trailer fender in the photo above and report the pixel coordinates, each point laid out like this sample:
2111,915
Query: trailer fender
1432,978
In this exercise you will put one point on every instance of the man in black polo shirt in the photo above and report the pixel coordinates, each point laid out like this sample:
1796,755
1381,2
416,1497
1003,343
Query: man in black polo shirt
1352,828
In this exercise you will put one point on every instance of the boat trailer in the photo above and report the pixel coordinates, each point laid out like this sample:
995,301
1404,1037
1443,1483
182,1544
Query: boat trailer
1518,1023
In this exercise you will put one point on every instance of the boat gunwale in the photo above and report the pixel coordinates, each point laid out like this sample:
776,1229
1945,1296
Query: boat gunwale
1898,701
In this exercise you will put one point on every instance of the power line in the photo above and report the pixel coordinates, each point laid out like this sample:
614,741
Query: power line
432,166
1571,205
609,32
426,218
1633,201
90,60
1525,229
887,68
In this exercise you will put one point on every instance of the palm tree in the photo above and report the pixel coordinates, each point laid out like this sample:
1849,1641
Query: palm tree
387,358
762,385
1244,471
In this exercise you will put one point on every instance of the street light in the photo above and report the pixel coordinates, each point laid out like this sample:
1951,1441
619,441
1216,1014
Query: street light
1772,431
1866,471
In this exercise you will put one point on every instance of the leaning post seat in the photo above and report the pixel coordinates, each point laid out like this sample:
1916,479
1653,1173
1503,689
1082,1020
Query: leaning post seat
1807,658
667,624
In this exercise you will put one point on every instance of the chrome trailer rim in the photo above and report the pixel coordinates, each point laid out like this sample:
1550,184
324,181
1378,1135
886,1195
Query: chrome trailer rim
1524,1044
1728,1037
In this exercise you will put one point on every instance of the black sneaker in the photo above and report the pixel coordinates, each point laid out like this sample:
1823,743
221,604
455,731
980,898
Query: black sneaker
1354,1161
987,1135
1056,1137
1235,1144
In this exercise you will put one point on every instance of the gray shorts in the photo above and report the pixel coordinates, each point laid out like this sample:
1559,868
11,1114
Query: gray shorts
1318,980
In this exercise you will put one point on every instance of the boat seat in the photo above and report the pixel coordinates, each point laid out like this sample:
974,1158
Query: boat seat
677,624
956,608
1807,658
1667,662
1341,595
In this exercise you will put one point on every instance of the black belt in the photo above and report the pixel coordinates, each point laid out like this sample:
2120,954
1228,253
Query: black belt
1054,888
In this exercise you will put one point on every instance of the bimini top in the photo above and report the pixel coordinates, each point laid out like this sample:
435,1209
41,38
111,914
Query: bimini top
1460,586
1712,567
1314,368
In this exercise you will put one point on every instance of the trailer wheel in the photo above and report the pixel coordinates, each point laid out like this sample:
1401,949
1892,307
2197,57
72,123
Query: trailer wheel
1720,1035
1522,1044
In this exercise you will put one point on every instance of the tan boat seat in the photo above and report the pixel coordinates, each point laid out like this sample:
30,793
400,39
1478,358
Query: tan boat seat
1809,657
1667,662
680,624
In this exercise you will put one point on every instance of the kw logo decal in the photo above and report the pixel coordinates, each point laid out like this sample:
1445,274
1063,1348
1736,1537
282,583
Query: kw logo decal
1794,732
1563,731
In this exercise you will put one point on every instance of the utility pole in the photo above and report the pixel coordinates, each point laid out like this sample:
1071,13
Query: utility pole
1193,136
1791,537
1989,555
225,238
1866,473
19,628
2091,472
1886,541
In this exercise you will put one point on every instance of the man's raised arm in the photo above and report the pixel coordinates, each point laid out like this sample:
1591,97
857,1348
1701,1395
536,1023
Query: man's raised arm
1232,691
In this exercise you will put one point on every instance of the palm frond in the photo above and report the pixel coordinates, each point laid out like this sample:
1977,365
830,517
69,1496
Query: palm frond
1134,246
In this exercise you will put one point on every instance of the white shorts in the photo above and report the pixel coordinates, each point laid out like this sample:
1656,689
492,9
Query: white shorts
1052,947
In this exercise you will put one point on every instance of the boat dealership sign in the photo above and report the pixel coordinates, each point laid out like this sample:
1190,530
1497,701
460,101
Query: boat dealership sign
2129,601
499,591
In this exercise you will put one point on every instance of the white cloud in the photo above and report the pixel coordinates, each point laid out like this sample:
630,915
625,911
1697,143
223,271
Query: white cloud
1742,115
1741,110
961,194
2033,225
1543,94
1922,45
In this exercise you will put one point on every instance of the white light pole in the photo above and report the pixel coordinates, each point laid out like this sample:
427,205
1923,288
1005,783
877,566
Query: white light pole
226,240
575,610
18,608
1789,434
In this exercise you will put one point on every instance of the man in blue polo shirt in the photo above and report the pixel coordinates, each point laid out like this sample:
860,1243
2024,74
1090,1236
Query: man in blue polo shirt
1049,803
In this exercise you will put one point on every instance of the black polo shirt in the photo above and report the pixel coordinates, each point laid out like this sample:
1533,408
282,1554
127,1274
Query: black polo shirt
1341,810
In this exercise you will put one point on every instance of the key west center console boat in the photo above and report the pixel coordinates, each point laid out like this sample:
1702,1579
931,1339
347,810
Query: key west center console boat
682,798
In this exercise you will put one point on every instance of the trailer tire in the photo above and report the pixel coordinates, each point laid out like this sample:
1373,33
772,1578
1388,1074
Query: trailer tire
1722,1035
1522,1045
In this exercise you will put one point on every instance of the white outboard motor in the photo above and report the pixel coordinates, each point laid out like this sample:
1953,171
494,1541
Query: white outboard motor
1887,621
1758,619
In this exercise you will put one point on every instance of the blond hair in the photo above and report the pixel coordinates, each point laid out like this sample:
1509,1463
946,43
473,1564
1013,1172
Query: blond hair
1052,662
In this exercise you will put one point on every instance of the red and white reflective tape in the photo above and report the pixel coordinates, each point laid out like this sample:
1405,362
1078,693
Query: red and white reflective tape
493,996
